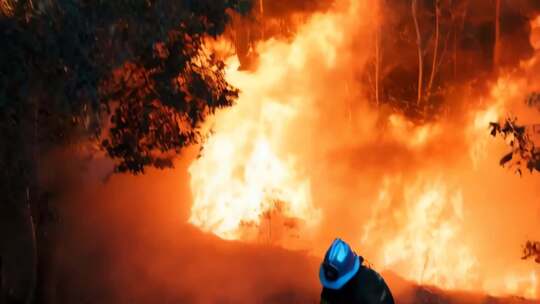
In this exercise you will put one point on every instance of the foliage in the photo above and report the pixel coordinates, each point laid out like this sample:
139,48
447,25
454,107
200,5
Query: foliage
523,152
458,48
531,250
130,76
533,100
73,64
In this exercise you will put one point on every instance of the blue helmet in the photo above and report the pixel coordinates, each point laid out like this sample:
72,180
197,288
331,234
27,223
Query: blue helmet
339,266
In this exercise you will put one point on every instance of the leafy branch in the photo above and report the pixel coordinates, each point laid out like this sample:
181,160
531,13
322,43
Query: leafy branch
523,152
533,100
531,250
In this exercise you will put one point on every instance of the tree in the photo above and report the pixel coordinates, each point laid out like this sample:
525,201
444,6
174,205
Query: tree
67,67
420,32
378,51
414,8
432,48
435,48
531,250
524,153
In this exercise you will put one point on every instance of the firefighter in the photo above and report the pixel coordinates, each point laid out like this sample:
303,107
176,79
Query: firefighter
346,280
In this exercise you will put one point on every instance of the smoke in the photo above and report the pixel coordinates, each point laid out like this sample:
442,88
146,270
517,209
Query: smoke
283,9
357,150
437,156
127,241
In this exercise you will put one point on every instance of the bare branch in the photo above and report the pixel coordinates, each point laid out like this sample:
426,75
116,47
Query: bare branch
531,250
435,48
414,8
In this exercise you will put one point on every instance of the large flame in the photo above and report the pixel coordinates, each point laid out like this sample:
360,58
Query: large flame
244,171
426,213
246,166
242,174
428,246
254,178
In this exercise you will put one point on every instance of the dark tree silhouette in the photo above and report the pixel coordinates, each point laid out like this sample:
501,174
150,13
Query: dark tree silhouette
130,76
523,154
531,250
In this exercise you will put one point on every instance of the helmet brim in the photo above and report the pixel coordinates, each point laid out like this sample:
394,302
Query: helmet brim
337,284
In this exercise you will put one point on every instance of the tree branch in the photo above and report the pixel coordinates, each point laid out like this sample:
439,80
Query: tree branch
414,8
435,49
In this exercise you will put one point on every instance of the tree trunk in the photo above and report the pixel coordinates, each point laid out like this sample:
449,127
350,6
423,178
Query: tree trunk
435,49
261,12
45,284
455,51
497,46
241,42
18,252
378,53
458,29
414,9
17,231
349,99
18,204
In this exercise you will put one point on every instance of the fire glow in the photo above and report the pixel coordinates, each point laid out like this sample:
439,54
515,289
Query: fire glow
250,165
243,171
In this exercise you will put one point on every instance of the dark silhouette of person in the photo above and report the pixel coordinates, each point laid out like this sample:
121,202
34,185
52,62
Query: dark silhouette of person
346,280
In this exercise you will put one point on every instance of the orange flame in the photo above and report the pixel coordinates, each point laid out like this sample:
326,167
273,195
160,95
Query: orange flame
426,246
242,171
255,160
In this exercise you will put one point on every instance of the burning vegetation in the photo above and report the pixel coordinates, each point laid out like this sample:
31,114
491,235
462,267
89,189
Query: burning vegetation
365,119
373,119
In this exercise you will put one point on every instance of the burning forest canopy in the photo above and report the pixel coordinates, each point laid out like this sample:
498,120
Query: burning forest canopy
364,119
